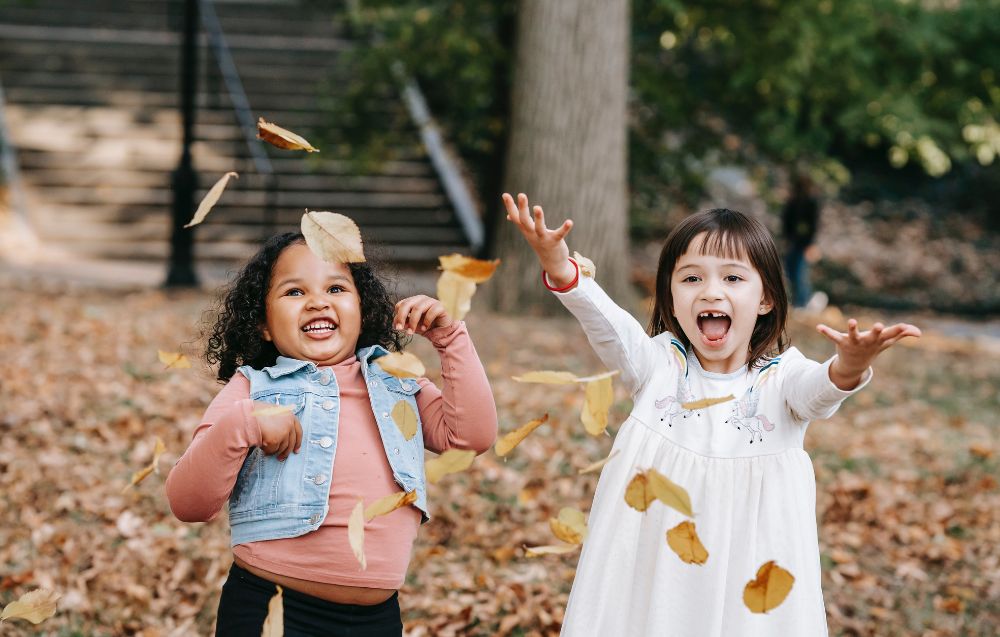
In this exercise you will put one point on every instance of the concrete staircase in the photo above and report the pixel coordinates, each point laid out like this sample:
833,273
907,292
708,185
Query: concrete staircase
92,93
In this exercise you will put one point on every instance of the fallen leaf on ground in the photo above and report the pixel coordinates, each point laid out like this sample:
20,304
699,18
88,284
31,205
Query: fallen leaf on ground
769,589
143,473
35,606
476,270
389,503
514,438
706,402
684,541
405,418
597,466
333,237
570,526
210,199
282,138
174,360
451,461
274,623
402,365
356,533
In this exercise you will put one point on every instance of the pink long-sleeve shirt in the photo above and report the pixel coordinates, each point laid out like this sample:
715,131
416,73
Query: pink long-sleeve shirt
462,416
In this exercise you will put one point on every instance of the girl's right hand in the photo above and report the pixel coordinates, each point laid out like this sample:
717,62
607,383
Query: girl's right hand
549,245
280,434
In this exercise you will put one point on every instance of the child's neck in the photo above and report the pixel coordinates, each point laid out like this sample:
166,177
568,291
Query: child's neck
721,366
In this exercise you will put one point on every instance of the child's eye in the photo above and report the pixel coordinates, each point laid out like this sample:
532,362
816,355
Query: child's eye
335,289
294,292
732,278
690,279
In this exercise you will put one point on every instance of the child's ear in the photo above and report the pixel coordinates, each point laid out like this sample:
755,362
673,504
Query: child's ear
765,307
264,333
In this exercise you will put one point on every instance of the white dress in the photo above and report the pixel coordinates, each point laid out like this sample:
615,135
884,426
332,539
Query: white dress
752,489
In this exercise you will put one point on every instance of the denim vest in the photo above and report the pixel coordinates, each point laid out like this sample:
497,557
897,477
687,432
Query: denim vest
273,499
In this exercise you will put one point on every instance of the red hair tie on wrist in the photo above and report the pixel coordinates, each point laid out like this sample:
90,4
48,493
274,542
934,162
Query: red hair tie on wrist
572,284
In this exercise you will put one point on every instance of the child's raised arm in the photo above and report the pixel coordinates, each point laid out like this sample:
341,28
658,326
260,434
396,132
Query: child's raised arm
549,245
857,350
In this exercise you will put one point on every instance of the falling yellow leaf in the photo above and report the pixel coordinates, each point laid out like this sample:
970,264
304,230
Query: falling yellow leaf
143,473
333,237
451,461
174,360
601,376
455,293
211,198
356,533
514,438
599,396
684,541
706,402
597,466
587,267
475,270
35,606
274,410
769,589
402,365
547,377
535,551
405,418
570,526
282,138
389,503
274,623
653,485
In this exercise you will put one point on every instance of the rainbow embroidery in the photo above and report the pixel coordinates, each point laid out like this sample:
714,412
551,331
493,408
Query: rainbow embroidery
680,354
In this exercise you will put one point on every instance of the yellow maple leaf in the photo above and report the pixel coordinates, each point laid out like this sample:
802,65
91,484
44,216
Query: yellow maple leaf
570,526
356,533
684,541
707,402
598,400
405,418
768,589
597,466
475,270
535,551
402,365
514,438
174,360
451,461
281,137
332,237
274,623
389,503
35,606
144,473
455,293
547,377
210,199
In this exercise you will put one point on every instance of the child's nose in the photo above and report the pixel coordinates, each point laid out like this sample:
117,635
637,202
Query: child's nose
711,291
317,301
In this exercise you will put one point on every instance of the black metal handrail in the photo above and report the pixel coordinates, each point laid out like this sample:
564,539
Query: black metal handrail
241,106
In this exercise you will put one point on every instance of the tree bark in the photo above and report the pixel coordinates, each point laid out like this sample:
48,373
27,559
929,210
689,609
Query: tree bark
567,146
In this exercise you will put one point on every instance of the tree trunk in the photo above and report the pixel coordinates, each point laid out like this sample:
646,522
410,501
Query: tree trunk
567,145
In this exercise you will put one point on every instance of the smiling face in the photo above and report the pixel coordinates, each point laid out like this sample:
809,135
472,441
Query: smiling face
313,308
717,300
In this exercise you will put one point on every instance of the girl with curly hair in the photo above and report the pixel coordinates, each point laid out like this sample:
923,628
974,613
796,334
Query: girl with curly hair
304,335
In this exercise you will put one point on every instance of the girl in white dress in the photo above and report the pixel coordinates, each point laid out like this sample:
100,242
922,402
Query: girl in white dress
717,330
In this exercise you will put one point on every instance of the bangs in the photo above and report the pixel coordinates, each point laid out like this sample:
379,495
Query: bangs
724,243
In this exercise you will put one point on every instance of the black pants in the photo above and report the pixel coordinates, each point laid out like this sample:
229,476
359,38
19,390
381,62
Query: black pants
243,608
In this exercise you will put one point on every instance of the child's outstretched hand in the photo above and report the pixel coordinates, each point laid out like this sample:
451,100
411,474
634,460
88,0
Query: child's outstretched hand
856,350
549,245
280,434
417,314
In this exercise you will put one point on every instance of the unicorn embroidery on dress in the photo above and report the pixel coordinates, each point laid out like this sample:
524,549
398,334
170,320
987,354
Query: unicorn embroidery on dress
744,416
673,405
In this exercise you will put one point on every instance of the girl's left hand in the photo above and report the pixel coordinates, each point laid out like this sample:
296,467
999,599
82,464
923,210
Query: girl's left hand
856,350
417,314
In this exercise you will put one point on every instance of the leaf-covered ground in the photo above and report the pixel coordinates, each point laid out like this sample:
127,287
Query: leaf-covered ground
908,501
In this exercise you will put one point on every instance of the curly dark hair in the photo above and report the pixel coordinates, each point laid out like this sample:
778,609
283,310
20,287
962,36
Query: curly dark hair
235,338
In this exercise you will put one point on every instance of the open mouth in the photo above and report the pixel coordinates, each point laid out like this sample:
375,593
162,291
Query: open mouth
714,326
319,327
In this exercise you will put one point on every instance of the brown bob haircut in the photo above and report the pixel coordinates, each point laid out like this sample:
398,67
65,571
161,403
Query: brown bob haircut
730,234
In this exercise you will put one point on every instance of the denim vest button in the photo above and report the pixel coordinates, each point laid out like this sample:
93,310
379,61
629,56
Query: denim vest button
319,479
405,386
372,384
328,405
324,378
396,451
385,414
325,442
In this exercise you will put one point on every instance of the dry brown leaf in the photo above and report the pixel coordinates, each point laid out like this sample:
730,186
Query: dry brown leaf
402,365
333,237
536,551
389,503
210,199
455,293
35,606
282,138
514,438
274,410
143,473
638,494
570,526
274,623
684,541
653,485
356,533
596,404
597,466
174,360
475,270
706,402
547,377
451,461
405,418
587,267
769,589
